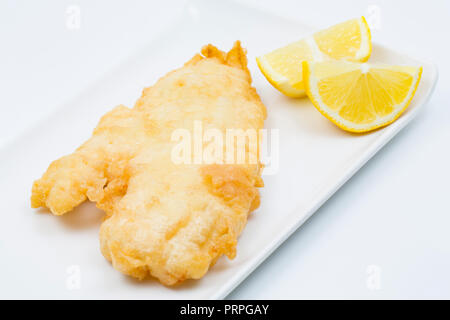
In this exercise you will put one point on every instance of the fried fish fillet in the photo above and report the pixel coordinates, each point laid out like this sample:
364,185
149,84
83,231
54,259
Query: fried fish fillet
168,220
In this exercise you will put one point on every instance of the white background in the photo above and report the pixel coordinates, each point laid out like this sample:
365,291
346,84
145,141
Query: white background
390,222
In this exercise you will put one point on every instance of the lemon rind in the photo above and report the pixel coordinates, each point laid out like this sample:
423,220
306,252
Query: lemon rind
277,80
333,116
365,50
282,84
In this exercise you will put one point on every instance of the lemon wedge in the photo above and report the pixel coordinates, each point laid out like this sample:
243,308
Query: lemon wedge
349,40
360,97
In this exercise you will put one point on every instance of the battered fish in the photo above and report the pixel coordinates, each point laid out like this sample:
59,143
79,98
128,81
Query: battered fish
168,220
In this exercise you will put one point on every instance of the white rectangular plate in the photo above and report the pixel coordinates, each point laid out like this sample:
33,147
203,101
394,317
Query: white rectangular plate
43,256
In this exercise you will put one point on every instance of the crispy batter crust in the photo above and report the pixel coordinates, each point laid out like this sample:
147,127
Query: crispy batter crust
162,219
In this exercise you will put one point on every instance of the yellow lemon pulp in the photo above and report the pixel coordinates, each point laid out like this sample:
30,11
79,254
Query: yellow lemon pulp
360,97
349,40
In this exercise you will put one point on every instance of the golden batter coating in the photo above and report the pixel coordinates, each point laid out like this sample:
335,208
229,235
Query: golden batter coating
168,220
